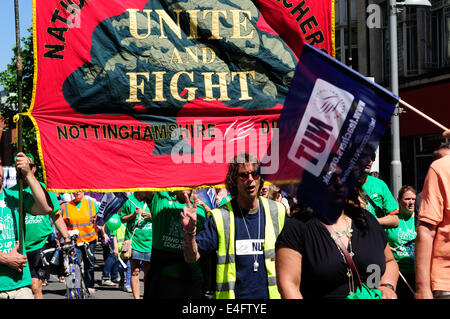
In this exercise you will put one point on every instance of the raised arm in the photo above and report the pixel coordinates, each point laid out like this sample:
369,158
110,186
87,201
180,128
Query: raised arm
189,222
42,202
130,217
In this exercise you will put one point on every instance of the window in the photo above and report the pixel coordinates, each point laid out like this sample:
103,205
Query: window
437,35
341,23
408,63
414,26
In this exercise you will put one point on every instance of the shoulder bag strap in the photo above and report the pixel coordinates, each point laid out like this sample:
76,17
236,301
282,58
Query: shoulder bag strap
349,259
378,211
139,219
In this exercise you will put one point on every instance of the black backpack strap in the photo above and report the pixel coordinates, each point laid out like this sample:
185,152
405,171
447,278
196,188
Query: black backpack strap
378,211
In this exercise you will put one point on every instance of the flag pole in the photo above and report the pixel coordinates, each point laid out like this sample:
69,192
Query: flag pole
412,108
19,126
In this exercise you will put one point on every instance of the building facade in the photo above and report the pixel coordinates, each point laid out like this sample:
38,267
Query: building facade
423,42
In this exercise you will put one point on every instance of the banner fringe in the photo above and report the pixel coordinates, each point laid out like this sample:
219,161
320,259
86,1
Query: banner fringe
140,189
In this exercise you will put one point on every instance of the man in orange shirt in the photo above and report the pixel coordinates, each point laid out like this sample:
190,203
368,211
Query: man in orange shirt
432,246
80,214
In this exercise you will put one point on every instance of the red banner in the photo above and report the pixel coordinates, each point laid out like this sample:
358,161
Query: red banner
311,20
153,95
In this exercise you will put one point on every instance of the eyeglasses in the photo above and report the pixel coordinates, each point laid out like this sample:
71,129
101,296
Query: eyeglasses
246,175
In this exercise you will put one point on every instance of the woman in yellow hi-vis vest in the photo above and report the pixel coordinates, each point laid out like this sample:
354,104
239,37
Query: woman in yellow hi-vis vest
80,214
243,232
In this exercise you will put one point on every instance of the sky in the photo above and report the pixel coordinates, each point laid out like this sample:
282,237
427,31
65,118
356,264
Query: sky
8,28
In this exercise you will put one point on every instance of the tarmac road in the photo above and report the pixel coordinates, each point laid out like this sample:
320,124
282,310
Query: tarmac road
57,290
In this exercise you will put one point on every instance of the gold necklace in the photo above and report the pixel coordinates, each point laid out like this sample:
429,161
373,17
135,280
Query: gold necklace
348,234
351,282
347,231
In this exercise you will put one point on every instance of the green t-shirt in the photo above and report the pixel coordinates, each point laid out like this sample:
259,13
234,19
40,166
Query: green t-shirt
225,200
168,234
401,239
142,239
379,192
9,232
37,230
38,227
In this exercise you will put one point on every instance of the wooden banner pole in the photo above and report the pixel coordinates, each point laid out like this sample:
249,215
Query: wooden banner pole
409,106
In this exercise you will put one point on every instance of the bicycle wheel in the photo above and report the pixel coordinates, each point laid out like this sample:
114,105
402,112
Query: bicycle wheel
82,290
79,283
71,290
75,284
72,293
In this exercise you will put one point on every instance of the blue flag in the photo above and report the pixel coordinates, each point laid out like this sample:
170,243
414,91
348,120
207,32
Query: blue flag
207,196
110,204
330,126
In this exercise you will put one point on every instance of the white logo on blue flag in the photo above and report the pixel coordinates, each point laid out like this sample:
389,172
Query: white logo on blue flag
319,129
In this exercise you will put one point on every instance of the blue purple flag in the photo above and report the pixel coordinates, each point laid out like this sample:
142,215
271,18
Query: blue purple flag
331,123
110,204
207,196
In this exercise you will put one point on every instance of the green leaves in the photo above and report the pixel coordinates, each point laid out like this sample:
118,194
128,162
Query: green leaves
8,79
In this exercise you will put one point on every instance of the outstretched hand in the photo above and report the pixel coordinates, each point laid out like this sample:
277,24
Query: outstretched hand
446,133
189,215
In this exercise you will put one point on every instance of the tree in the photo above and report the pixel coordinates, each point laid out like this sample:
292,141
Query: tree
9,108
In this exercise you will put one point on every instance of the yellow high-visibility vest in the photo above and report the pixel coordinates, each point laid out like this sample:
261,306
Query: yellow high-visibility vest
120,235
275,214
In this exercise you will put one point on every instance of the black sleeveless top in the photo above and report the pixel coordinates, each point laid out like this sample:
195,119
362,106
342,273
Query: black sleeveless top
324,270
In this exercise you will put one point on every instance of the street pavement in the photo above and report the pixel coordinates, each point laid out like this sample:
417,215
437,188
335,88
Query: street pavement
57,290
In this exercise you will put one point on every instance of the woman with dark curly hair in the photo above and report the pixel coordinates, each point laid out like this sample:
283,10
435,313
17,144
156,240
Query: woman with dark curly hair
312,265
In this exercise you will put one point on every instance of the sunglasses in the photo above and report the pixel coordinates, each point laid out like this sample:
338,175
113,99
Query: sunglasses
246,175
